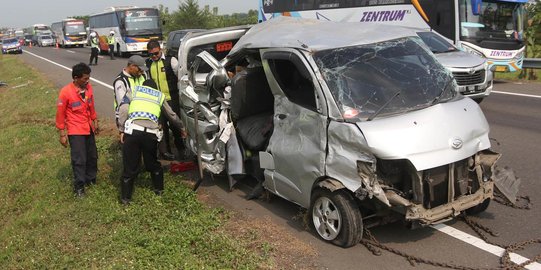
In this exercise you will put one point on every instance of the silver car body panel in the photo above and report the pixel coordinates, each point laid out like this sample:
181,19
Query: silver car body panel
438,135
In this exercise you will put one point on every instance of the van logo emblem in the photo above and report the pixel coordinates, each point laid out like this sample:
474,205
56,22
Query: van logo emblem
471,71
456,143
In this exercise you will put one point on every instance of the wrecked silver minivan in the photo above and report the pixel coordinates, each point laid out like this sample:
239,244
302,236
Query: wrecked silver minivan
358,125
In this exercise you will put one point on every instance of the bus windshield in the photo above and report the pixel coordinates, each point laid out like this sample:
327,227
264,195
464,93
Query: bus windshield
384,78
141,21
75,29
498,21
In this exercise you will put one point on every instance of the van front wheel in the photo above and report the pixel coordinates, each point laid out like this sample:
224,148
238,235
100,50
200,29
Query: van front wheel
336,218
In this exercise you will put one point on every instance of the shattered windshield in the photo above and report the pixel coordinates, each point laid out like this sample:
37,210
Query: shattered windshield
384,78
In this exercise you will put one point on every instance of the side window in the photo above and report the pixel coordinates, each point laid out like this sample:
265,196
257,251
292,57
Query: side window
297,88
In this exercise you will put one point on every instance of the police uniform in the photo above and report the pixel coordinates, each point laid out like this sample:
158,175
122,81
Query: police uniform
162,72
123,85
111,42
141,135
94,49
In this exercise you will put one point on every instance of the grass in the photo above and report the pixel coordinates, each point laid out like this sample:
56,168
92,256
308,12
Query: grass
514,76
45,226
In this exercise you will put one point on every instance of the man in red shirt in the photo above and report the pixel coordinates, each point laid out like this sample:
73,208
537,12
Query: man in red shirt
75,112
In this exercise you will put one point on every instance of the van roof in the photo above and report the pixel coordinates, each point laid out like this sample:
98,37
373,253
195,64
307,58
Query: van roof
310,34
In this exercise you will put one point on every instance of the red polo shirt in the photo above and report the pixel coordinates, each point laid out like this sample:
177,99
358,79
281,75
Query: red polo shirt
74,112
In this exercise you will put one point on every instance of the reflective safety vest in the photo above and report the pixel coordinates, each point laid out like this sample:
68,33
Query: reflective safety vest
146,104
129,84
94,42
111,40
157,73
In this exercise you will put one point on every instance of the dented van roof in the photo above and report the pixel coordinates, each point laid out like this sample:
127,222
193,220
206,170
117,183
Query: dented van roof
314,35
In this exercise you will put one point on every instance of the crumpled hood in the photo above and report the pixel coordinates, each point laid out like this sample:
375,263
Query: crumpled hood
459,59
431,137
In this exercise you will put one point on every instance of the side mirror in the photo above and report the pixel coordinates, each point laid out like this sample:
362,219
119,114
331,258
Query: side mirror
476,6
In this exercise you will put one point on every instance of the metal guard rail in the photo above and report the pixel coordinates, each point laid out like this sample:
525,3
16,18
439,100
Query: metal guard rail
531,63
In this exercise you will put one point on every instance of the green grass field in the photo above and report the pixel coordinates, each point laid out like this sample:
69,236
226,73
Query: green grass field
45,227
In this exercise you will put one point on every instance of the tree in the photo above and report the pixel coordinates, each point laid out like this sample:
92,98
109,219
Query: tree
533,37
190,16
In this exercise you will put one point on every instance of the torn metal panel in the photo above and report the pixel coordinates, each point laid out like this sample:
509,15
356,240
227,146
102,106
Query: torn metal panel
507,183
350,161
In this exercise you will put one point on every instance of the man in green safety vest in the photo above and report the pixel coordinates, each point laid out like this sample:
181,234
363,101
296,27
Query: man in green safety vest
161,70
131,76
111,42
94,48
141,135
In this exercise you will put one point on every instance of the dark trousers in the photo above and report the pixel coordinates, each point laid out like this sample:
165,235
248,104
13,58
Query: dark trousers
134,145
179,144
93,56
84,160
112,51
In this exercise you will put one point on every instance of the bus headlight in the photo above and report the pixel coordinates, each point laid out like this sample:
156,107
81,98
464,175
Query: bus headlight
519,56
472,51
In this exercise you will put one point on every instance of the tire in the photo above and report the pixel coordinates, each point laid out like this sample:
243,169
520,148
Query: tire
336,218
478,208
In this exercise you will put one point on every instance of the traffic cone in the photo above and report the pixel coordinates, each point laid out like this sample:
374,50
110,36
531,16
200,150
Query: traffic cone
56,45
30,44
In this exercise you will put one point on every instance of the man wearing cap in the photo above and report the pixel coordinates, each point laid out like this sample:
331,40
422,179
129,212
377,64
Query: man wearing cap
131,76
141,133
111,42
162,71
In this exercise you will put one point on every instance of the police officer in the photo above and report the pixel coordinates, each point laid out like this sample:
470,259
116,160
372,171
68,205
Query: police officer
111,42
130,77
162,71
141,136
94,48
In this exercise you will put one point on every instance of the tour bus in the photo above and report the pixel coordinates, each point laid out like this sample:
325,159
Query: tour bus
489,28
133,27
70,32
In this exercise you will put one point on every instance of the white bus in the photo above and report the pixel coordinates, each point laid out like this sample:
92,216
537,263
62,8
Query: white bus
41,29
489,28
133,27
70,32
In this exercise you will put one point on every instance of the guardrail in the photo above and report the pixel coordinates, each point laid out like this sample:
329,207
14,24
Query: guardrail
531,63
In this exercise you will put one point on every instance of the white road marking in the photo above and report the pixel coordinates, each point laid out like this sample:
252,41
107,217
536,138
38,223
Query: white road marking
481,244
64,67
515,94
70,51
457,234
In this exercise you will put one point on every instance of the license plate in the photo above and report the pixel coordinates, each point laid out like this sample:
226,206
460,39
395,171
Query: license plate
501,68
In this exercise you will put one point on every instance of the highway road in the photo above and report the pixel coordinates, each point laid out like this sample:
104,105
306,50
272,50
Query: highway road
513,111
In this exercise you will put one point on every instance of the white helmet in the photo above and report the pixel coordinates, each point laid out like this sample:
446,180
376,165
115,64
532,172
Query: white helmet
112,32
93,34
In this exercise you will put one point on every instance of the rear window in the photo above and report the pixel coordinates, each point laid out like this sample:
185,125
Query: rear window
217,50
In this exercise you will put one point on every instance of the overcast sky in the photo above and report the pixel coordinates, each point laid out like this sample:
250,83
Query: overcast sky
24,13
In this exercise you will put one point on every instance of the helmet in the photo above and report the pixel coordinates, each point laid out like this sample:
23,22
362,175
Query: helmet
93,34
111,32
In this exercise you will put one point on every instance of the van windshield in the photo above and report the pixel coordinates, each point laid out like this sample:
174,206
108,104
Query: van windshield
384,78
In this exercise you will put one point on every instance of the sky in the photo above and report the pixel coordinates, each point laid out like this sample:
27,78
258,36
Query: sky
24,13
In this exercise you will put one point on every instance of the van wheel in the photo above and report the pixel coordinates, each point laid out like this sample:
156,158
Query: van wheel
478,208
336,218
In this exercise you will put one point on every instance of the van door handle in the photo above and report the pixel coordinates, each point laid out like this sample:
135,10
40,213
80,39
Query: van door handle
282,116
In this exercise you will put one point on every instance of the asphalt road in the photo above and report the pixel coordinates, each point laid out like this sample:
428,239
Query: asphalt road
515,122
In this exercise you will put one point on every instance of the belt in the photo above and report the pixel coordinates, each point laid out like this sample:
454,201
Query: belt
144,129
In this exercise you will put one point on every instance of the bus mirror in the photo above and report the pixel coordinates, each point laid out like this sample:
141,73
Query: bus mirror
476,7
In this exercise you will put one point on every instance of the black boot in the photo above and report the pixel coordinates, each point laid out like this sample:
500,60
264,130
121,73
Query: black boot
126,190
157,181
256,192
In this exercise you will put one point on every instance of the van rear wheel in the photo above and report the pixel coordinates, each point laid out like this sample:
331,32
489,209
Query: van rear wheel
336,218
478,208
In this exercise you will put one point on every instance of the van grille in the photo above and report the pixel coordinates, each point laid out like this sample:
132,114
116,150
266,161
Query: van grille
465,78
